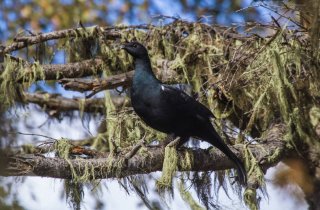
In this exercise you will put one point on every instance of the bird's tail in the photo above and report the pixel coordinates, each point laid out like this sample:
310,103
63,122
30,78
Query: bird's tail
216,141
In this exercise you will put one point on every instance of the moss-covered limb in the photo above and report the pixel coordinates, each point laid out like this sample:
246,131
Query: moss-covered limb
47,147
59,103
150,160
25,41
110,82
59,71
73,70
109,32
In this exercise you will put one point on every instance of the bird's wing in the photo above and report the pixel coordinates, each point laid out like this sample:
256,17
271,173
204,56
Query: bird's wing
184,102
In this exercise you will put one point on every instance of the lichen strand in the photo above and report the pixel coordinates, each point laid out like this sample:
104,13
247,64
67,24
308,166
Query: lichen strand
18,75
74,193
187,197
9,87
250,199
186,162
84,44
63,148
169,168
255,178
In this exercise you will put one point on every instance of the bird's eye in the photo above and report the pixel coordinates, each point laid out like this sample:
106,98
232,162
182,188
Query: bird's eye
134,45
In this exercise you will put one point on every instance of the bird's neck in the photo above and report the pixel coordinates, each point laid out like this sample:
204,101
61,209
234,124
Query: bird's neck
143,70
143,65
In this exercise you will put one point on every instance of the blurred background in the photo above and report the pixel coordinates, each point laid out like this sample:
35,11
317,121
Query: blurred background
35,16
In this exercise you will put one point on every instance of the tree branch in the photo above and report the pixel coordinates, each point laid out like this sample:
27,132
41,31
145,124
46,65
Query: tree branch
25,41
58,71
97,85
73,70
150,160
57,102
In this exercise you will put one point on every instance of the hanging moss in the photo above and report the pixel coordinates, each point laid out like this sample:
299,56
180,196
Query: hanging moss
250,199
168,170
187,161
63,148
256,176
16,75
314,115
9,89
74,193
187,197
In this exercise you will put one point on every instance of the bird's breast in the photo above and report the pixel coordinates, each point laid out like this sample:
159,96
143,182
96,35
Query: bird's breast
147,103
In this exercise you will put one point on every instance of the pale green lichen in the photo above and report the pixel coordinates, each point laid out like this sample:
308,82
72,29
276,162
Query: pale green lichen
314,115
169,169
9,87
187,162
17,75
63,148
250,199
187,197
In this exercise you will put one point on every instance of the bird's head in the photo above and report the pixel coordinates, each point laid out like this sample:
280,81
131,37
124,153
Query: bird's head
135,49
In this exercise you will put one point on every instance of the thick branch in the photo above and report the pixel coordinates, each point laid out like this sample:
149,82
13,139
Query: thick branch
97,85
58,71
25,41
56,102
72,70
150,160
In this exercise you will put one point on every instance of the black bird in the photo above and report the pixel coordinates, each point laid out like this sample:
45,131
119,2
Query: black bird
171,110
